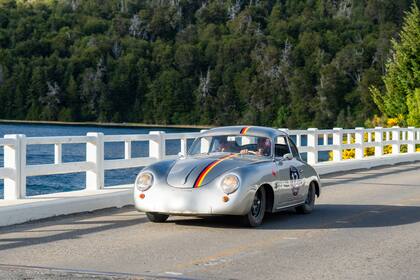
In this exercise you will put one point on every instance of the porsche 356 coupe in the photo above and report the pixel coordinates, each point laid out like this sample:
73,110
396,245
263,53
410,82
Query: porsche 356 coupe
237,170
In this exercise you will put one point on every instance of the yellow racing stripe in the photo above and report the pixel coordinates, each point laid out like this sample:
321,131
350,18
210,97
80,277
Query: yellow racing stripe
206,171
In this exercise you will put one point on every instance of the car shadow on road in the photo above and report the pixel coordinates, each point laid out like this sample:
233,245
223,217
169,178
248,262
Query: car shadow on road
68,227
325,216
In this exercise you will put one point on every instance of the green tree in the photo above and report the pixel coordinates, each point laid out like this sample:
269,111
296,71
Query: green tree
37,88
285,63
402,79
73,100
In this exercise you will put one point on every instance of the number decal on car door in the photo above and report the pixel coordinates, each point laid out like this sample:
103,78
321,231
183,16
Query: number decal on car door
294,180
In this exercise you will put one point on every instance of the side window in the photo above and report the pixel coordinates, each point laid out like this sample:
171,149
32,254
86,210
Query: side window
281,148
295,151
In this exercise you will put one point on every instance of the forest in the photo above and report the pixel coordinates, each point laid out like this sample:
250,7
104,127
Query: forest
283,63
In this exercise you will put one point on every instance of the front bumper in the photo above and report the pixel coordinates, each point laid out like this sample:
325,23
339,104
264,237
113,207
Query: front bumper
207,200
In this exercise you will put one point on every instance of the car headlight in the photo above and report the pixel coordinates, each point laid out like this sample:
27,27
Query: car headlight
144,181
230,184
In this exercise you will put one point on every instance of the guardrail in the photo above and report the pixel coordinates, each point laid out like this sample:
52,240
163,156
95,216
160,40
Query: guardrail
311,142
358,139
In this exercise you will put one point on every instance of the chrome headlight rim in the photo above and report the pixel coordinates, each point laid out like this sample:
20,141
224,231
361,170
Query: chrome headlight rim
144,186
230,188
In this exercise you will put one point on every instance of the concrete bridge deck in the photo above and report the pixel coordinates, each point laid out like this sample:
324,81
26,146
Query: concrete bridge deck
366,226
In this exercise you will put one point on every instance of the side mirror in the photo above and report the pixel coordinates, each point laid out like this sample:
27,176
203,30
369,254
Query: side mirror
181,155
288,156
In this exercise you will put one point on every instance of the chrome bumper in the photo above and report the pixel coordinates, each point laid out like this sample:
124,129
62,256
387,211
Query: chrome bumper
207,200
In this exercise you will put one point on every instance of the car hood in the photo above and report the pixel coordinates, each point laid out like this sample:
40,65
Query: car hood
185,173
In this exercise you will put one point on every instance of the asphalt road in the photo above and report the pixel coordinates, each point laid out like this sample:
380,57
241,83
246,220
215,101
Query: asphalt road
366,226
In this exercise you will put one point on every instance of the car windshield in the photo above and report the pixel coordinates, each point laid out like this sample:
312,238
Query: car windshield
240,144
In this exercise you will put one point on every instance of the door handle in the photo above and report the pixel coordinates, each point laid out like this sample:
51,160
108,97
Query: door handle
301,171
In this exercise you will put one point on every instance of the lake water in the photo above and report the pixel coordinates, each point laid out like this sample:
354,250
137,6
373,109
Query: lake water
44,154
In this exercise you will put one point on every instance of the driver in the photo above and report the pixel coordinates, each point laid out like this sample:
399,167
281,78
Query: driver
263,148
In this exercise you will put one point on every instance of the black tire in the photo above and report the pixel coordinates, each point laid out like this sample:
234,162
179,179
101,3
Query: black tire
255,215
156,217
309,204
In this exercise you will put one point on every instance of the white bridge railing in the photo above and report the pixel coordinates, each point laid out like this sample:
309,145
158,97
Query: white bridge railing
311,142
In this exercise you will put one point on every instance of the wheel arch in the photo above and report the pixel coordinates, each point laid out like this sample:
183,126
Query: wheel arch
317,188
269,195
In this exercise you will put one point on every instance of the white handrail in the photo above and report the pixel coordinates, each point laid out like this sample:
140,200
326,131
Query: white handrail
16,170
5,141
58,140
128,138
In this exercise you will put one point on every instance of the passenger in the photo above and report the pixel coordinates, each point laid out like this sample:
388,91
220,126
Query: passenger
226,146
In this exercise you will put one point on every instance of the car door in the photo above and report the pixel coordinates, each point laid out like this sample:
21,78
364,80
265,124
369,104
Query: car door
282,172
297,174
282,185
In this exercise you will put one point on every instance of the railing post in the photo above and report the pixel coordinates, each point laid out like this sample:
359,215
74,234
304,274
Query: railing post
184,146
15,159
359,139
379,138
95,154
337,141
417,136
411,146
313,145
157,147
58,153
285,130
205,144
127,150
396,137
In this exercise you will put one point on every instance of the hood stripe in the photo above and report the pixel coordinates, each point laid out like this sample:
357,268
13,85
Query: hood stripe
244,130
208,168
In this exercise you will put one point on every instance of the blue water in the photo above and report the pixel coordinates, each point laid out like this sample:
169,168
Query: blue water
44,154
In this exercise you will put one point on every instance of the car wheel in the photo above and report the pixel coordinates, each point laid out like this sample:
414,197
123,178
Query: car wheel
309,204
255,215
156,217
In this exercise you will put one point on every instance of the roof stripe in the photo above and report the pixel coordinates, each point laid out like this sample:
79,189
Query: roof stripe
244,130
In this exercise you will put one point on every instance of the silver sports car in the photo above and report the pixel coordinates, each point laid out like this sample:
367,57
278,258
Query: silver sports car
236,170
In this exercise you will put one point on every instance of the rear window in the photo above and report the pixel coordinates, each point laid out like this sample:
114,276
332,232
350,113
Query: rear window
281,148
295,150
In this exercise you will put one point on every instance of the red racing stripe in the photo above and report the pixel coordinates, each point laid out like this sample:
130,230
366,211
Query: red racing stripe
208,168
244,130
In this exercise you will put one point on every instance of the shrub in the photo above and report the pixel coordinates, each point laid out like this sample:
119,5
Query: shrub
368,151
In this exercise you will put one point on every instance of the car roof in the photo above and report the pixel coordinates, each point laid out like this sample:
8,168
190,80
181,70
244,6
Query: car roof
244,130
